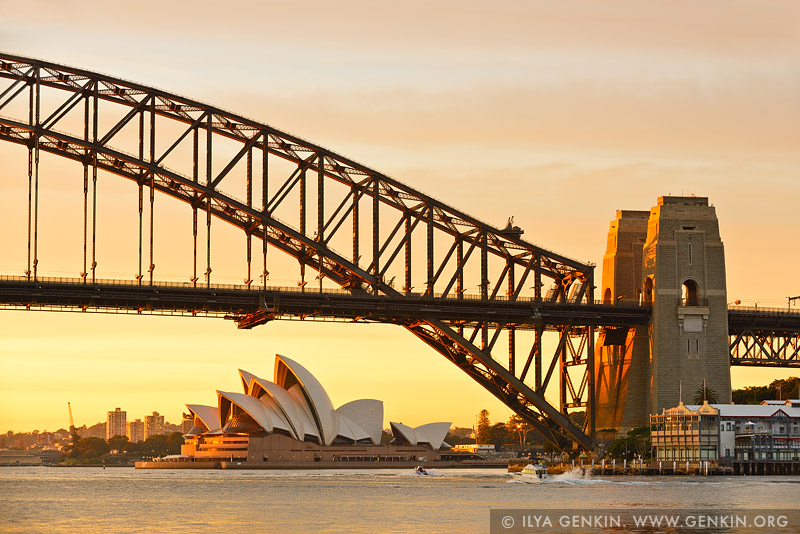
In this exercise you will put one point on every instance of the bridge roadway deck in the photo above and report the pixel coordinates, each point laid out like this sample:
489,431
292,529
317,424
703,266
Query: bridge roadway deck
237,301
774,320
116,296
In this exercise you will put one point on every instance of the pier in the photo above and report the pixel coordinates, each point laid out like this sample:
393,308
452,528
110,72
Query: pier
761,468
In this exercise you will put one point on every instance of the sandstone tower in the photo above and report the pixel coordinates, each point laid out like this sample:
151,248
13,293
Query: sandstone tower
671,258
622,362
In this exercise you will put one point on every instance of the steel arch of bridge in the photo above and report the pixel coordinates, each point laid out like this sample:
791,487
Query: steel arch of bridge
459,251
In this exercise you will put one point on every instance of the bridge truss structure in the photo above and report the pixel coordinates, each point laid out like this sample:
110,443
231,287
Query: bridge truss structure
764,337
479,295
341,221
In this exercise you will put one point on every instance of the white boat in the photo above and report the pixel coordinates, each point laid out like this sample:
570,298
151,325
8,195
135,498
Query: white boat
420,470
533,473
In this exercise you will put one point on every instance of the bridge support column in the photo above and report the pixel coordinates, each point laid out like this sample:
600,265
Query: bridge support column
684,262
622,355
671,258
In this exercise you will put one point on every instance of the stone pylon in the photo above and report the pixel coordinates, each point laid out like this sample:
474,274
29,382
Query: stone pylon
670,258
622,360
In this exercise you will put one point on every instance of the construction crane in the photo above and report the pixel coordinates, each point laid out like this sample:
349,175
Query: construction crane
792,299
71,420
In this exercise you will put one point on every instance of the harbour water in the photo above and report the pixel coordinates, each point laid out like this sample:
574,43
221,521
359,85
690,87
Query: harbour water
123,500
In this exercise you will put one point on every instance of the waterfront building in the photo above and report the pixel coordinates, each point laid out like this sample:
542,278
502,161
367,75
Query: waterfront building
153,425
115,423
46,438
475,448
769,431
292,419
48,456
16,458
136,431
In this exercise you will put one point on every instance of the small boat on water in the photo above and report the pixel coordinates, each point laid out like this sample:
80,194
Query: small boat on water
533,473
420,470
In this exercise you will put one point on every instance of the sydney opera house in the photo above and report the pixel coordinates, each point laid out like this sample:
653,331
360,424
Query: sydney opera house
292,420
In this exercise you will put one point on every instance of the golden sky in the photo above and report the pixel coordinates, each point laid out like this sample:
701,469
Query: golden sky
558,113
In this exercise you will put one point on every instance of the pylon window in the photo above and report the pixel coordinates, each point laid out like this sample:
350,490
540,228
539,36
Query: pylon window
689,292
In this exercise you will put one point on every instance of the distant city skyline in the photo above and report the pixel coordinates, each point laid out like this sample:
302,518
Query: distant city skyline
156,421
65,427
116,423
135,431
556,113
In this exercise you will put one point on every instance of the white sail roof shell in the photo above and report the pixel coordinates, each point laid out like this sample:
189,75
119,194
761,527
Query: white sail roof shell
309,426
279,418
405,432
367,414
263,412
319,402
285,403
208,415
350,430
433,433
246,378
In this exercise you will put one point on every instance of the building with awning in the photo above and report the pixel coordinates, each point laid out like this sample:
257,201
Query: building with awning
769,431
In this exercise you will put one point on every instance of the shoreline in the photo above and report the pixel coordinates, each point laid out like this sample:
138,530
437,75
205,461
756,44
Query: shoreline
278,466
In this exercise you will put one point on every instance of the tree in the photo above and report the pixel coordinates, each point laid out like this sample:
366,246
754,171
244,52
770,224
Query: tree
118,443
483,426
788,388
705,393
162,444
621,448
517,425
75,437
499,434
641,440
455,439
605,438
174,442
635,442
155,445
134,447
89,448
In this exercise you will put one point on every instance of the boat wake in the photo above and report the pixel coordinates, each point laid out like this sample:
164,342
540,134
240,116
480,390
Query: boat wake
428,474
571,478
574,477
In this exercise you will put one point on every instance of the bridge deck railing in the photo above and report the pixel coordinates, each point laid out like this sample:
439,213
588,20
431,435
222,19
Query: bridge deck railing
258,288
765,310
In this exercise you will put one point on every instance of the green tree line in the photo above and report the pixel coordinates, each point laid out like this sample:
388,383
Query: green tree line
94,449
783,388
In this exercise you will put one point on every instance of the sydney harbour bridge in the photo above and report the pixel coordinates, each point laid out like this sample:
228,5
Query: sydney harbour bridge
363,247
